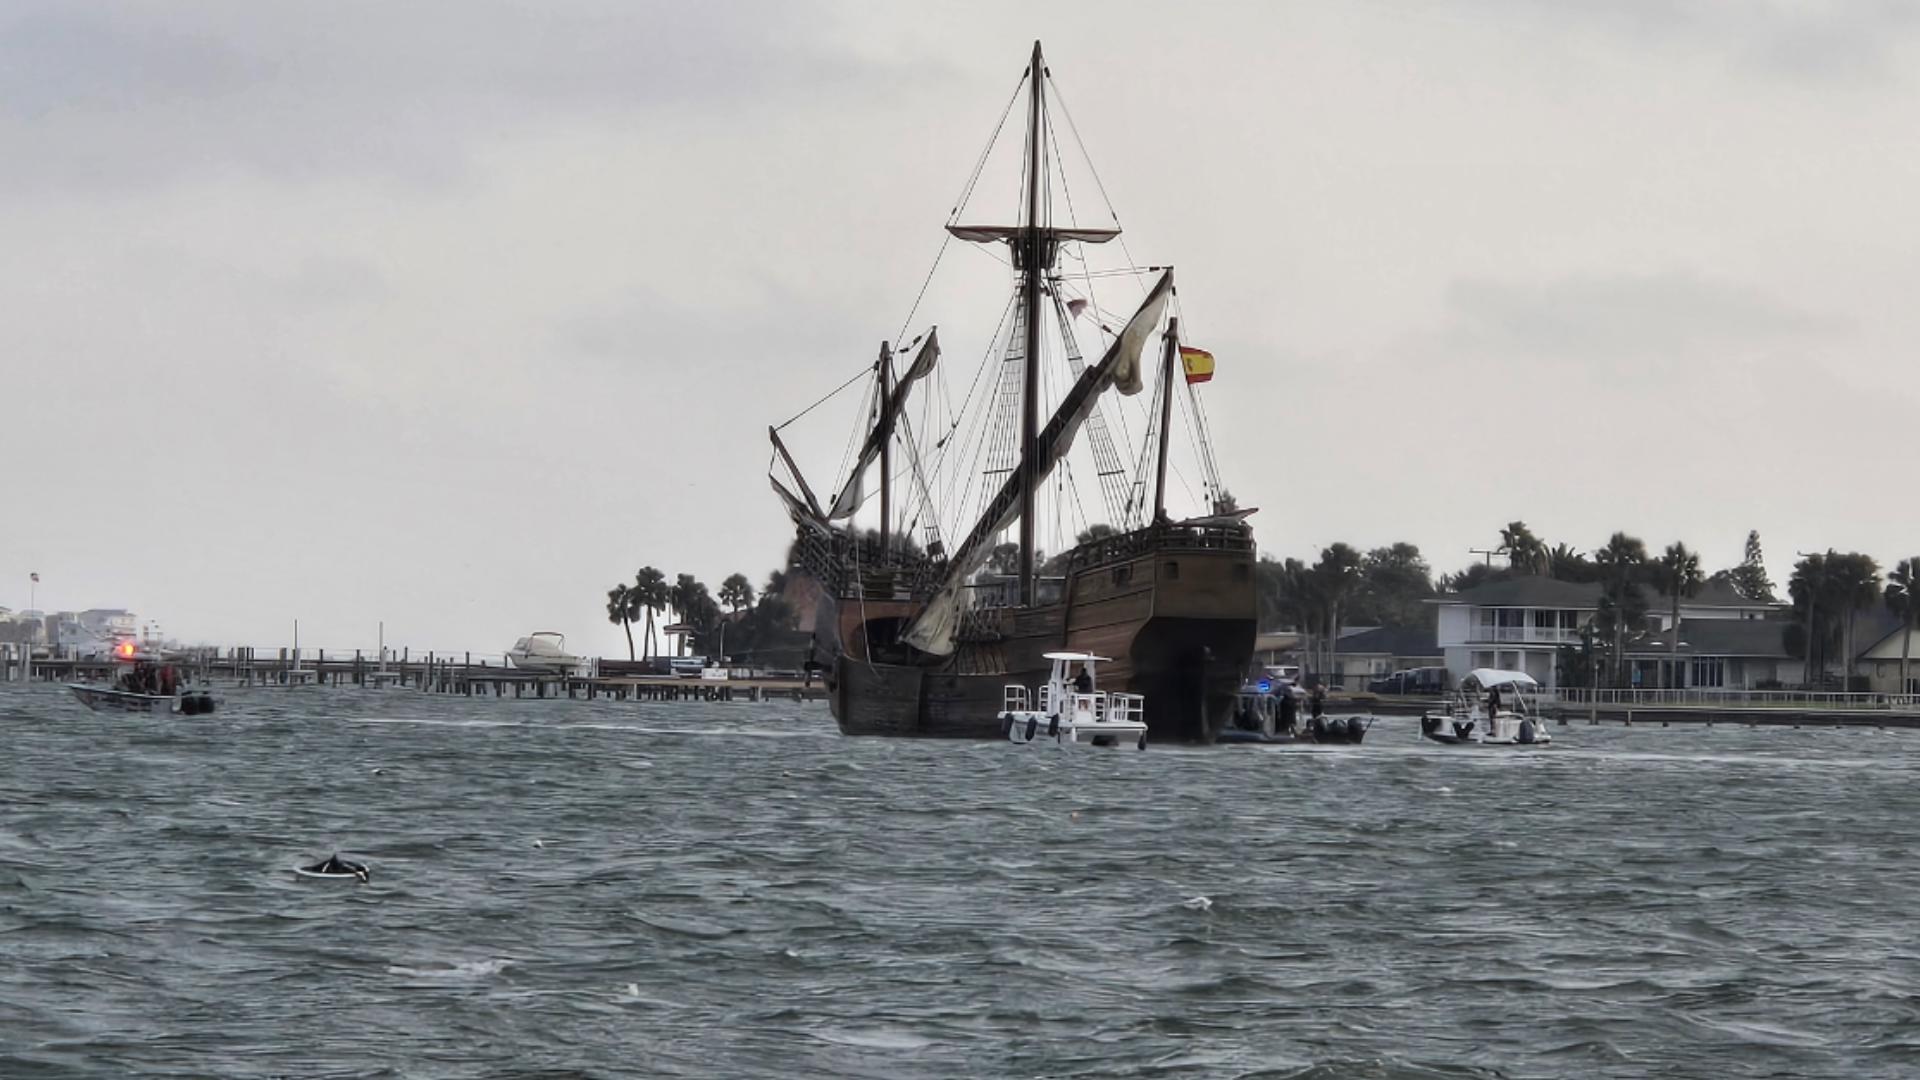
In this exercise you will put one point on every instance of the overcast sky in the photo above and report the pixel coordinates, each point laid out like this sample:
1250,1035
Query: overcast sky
452,315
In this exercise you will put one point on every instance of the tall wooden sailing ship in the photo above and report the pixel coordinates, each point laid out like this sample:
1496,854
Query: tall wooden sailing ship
914,637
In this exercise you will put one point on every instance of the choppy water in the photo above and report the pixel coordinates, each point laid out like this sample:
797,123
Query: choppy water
605,889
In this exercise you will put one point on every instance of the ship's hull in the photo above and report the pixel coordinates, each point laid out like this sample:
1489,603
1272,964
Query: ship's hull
1178,624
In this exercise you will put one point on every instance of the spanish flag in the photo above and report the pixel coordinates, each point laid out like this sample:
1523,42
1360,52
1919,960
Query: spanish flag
1198,362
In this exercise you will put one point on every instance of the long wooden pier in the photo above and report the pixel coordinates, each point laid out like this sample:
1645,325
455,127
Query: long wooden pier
433,673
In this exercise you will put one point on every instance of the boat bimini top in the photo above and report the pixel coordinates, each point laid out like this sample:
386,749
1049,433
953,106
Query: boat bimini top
1487,678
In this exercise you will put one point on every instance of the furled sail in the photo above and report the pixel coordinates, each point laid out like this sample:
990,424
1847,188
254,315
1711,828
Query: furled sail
933,630
854,493
798,510
803,513
987,234
1133,339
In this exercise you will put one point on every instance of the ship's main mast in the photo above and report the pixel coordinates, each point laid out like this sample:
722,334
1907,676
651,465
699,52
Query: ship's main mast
1032,243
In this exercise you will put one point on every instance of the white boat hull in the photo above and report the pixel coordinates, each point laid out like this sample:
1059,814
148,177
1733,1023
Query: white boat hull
1030,727
546,665
1506,729
103,700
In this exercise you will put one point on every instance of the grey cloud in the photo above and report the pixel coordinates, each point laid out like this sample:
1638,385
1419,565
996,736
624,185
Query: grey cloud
1622,317
121,99
1840,43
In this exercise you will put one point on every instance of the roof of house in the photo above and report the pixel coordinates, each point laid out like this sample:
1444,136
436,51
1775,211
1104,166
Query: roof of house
1720,637
1713,594
1532,590
1873,626
1528,590
1390,641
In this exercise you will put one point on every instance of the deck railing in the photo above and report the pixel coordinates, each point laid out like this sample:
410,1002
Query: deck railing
1523,635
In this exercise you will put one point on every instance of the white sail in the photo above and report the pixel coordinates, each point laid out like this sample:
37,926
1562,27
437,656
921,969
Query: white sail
1133,339
853,495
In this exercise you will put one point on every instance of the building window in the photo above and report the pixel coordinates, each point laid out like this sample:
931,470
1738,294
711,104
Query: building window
1170,570
1709,671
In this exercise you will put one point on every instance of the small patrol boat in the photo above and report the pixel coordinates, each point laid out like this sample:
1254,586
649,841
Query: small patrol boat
1071,708
1269,715
146,686
1501,716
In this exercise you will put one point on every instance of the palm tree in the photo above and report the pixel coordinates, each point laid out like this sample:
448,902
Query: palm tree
1677,575
1566,564
1812,593
1526,553
650,590
690,598
1902,582
736,592
1336,577
1622,563
623,606
1857,587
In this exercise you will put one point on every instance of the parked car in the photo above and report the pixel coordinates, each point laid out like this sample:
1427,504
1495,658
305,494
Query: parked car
1424,680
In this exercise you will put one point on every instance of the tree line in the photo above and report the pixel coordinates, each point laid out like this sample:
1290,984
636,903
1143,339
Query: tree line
1387,586
737,621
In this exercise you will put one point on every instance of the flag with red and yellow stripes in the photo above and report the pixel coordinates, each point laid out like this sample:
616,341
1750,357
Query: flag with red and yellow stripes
1198,364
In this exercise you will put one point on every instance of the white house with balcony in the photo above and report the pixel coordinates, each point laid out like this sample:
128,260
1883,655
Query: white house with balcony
1519,623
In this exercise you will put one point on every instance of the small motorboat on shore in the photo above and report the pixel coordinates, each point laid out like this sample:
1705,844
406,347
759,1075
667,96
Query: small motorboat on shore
544,651
1072,709
145,687
1501,716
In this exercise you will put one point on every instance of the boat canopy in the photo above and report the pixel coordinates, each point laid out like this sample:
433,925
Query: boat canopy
1488,678
1072,656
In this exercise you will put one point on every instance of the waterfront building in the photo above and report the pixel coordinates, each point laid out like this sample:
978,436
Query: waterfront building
1520,623
1364,654
1880,661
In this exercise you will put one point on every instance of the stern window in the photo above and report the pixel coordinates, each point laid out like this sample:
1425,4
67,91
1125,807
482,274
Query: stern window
1170,570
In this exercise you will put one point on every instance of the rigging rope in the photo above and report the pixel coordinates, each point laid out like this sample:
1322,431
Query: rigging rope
827,397
966,195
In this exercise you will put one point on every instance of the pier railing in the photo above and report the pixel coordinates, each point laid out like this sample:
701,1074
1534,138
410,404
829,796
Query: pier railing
1708,697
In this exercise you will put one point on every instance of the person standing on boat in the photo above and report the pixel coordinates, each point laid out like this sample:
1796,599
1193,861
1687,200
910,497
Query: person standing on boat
1317,701
1083,682
1289,710
1493,702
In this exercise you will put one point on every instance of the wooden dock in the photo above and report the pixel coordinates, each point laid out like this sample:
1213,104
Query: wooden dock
432,673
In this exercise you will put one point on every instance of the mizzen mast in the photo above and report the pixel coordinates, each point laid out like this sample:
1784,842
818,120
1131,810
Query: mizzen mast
885,435
1166,418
